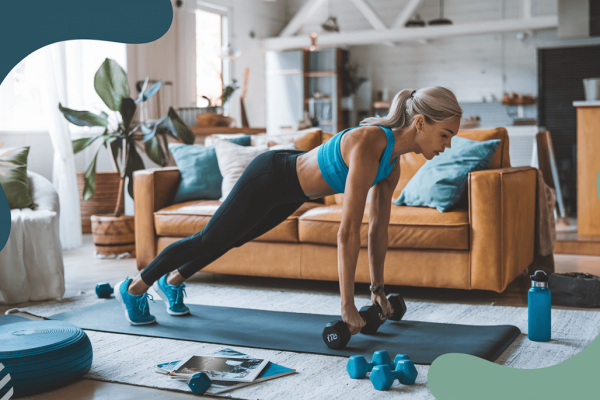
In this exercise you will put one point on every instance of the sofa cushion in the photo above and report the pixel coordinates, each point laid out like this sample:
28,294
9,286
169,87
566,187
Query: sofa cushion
410,227
14,181
304,140
185,219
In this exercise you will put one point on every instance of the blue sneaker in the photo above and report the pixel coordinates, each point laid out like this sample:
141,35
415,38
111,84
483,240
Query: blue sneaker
137,310
172,295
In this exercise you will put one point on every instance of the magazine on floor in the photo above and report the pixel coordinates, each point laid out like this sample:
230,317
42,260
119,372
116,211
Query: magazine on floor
271,371
221,368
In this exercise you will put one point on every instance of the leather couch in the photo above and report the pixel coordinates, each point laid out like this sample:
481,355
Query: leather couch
483,245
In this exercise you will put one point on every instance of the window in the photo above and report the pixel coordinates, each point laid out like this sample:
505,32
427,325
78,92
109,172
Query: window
212,71
209,67
21,103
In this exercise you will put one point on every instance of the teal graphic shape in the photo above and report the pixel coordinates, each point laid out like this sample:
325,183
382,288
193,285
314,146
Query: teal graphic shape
464,377
4,219
26,26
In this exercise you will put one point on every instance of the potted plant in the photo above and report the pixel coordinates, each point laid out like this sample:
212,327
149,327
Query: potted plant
113,233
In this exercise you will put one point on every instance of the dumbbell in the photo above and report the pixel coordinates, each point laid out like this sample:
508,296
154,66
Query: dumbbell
382,377
104,290
336,334
199,383
358,367
399,307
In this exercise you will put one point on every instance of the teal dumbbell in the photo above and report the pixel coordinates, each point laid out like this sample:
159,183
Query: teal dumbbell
199,383
358,367
382,377
104,290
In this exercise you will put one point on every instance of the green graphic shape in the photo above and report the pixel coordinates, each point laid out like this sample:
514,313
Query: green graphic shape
26,26
465,377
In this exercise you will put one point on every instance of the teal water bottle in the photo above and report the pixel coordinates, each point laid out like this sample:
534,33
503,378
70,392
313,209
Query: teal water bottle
539,308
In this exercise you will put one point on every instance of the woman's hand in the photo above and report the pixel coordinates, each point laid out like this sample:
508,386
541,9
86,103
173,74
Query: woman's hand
353,319
386,307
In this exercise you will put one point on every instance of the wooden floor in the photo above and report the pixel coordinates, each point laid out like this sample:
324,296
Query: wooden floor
83,272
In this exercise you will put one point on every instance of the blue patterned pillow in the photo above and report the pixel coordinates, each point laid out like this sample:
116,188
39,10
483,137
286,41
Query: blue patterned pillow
200,174
442,181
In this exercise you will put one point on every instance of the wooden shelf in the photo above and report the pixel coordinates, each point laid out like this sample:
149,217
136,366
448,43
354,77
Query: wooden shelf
317,74
381,104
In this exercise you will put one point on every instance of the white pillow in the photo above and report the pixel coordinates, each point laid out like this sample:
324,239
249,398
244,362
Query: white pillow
217,137
233,160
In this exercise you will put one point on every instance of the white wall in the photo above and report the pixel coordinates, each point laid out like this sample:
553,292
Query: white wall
472,66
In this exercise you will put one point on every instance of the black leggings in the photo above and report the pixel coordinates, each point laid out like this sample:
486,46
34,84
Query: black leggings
265,195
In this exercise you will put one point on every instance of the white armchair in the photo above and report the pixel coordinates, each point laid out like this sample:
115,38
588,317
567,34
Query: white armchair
31,263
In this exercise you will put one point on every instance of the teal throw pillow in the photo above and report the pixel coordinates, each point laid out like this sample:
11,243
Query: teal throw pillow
441,182
200,174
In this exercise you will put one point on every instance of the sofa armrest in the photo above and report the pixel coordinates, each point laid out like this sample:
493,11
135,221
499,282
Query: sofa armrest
153,189
502,204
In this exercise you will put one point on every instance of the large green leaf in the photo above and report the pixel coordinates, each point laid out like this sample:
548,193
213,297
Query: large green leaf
177,127
127,111
155,151
89,186
84,118
111,84
134,163
80,144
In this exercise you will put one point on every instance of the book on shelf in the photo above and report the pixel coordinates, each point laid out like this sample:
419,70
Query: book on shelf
269,371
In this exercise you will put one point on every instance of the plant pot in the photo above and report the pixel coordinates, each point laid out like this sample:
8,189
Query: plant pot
113,235
104,200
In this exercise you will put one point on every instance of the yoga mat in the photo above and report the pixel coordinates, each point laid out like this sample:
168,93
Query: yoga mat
423,342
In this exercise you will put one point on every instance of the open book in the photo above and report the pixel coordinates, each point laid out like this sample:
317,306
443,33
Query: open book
270,371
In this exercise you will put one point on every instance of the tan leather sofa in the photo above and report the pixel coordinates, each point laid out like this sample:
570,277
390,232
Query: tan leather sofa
484,245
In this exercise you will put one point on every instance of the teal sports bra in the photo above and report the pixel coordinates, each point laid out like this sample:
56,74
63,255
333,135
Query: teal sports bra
334,169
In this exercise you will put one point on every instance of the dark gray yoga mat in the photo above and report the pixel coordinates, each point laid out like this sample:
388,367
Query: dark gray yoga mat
423,342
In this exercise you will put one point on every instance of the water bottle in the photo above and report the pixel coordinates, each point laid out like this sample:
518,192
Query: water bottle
539,308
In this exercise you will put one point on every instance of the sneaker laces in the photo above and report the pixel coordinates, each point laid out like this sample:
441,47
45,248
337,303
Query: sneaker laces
143,302
180,294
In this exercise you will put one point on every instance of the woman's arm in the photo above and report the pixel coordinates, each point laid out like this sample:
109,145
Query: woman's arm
363,161
379,220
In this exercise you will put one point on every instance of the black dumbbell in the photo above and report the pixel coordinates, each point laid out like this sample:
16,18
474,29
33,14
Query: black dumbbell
336,334
399,307
104,290
199,383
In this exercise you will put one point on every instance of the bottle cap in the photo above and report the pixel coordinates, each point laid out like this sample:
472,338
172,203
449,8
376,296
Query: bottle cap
539,276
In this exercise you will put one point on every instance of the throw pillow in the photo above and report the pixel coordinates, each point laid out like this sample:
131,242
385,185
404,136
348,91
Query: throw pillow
15,183
441,182
199,169
238,138
282,146
233,160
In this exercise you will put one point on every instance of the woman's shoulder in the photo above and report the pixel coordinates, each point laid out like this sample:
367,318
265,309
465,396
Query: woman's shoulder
369,138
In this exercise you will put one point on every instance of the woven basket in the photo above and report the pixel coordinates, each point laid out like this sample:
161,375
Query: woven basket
104,200
113,235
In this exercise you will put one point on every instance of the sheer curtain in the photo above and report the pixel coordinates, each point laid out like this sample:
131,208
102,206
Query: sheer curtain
64,175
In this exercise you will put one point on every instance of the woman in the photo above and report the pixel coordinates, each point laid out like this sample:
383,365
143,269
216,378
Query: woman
277,183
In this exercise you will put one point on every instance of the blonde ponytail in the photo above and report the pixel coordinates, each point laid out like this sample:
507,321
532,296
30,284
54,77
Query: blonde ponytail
436,104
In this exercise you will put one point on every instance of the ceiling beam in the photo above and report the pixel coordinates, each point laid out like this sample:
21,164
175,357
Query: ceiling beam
301,17
370,16
371,36
406,14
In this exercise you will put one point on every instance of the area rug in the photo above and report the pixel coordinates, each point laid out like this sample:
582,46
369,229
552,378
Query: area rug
131,359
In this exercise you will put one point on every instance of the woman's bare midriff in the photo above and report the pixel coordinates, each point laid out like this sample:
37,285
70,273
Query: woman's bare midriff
311,181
